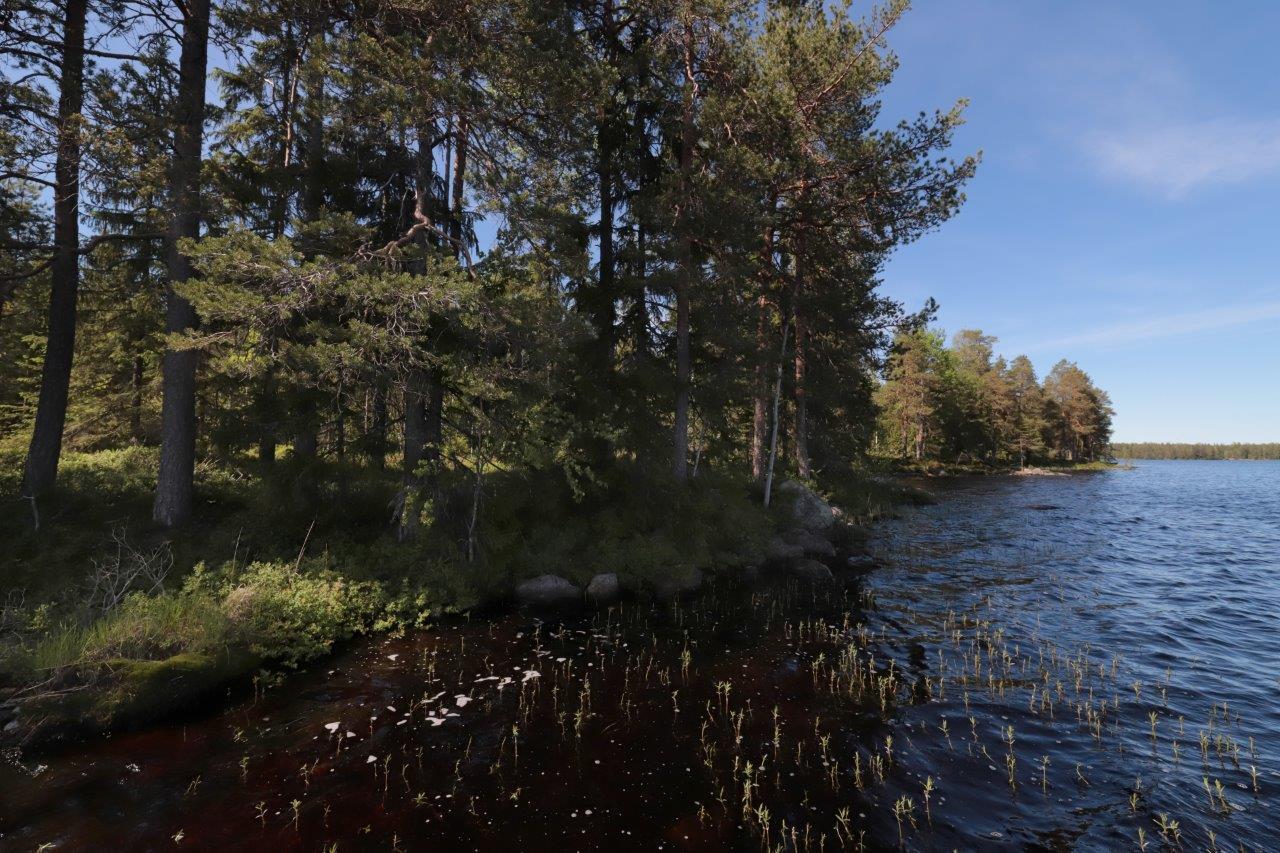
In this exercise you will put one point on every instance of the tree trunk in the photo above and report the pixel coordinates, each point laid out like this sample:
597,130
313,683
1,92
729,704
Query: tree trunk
459,183
423,421
51,412
773,436
760,414
803,466
378,429
415,432
339,425
135,406
267,393
684,279
267,418
424,395
602,309
313,195
601,304
306,443
306,440
178,414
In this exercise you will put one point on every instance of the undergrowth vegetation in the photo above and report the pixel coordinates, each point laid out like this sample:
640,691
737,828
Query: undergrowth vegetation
277,574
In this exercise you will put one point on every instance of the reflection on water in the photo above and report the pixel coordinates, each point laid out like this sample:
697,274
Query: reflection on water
1079,662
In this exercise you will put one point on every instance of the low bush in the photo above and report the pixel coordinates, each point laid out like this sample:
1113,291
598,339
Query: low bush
283,614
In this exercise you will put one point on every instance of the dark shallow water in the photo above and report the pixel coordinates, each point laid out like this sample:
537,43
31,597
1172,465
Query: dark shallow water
1030,652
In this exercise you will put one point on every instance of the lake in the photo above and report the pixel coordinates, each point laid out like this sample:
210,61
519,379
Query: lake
1068,662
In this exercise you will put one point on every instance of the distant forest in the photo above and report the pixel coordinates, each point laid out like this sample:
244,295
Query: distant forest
1169,450
963,403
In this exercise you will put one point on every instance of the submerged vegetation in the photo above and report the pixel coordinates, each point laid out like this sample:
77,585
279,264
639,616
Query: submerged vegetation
783,716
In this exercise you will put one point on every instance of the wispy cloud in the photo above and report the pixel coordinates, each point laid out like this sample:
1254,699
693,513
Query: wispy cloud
1167,325
1176,158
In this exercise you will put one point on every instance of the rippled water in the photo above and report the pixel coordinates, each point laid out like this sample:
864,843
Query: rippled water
1016,673
1174,568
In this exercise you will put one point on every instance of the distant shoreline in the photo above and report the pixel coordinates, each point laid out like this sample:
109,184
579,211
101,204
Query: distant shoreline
1223,452
1194,459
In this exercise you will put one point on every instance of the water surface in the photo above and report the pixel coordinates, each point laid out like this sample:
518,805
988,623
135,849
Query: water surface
1053,663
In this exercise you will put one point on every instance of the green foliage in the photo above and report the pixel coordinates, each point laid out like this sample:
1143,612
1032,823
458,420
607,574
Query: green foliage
1175,450
866,498
147,627
283,614
961,405
639,524
395,422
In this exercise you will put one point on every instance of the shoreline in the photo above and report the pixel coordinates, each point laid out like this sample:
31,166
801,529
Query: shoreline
939,470
813,540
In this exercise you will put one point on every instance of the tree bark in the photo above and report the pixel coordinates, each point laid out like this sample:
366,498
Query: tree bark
135,406
424,394
178,413
459,187
803,466
801,425
423,420
685,278
601,308
41,470
267,409
603,303
378,429
760,413
773,435
306,445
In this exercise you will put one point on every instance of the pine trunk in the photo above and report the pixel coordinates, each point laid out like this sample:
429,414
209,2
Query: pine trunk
135,407
178,413
602,305
423,421
51,412
377,434
803,466
760,413
306,445
684,279
267,418
461,137
424,394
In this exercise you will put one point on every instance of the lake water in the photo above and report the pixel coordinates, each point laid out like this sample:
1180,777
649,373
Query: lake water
1086,662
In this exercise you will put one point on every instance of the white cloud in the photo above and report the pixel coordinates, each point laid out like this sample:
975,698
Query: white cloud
1168,326
1175,158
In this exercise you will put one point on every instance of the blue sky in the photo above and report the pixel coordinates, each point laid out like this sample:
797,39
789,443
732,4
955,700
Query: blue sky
1127,211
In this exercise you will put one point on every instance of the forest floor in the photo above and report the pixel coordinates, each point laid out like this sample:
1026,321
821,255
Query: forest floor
108,622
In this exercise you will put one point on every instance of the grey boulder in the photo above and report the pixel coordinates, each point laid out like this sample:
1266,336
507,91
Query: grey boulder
862,562
780,550
548,591
808,509
811,571
675,585
603,588
814,545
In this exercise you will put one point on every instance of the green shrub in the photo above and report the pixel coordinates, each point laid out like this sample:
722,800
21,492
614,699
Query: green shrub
143,627
639,523
285,615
